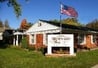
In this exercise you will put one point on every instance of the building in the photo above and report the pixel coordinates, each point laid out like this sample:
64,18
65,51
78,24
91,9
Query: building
83,37
1,33
6,37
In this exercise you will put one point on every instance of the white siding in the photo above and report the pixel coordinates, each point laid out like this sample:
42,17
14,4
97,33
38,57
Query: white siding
44,27
41,28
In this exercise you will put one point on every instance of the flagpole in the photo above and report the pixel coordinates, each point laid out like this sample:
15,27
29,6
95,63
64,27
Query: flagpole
69,11
60,20
60,24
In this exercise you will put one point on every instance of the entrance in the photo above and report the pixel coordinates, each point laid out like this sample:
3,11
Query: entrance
39,39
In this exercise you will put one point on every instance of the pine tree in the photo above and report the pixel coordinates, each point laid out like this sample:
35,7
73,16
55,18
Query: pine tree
6,24
1,24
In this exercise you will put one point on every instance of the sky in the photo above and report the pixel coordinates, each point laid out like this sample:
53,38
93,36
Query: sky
33,10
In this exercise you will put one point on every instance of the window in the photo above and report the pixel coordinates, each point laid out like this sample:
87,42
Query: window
32,38
80,38
39,24
94,38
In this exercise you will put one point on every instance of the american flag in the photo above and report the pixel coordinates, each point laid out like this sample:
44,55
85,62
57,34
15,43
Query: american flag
70,11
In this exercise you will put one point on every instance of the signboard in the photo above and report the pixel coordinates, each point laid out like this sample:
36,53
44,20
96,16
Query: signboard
61,40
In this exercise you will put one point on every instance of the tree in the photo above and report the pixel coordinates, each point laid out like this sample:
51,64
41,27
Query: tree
93,24
6,24
71,21
1,24
24,25
16,6
55,20
29,24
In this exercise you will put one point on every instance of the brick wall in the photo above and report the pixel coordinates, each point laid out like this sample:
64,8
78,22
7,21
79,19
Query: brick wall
88,42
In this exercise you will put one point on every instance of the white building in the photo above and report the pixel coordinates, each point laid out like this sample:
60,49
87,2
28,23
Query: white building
40,30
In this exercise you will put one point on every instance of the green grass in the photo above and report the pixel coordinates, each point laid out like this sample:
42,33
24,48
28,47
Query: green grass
19,58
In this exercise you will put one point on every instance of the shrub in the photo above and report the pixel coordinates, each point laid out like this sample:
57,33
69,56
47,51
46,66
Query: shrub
31,47
24,43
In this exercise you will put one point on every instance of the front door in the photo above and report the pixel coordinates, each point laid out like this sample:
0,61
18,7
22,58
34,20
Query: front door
39,40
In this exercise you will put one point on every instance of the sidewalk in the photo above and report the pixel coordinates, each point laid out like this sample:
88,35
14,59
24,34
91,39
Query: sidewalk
96,66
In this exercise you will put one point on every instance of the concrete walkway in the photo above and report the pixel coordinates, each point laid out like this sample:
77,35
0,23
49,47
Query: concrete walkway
96,66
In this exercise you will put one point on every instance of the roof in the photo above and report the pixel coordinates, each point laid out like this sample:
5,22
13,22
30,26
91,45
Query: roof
18,33
72,27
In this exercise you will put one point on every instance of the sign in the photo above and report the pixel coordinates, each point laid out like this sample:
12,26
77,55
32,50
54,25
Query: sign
61,40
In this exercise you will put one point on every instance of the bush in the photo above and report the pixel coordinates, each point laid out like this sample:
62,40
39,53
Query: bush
24,43
31,47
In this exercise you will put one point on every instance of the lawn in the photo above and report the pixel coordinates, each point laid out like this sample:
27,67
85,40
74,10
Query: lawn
19,58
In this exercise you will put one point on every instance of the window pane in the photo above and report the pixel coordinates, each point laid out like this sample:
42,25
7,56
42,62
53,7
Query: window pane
32,38
80,38
94,38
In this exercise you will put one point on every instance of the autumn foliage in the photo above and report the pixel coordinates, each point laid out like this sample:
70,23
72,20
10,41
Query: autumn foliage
24,24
